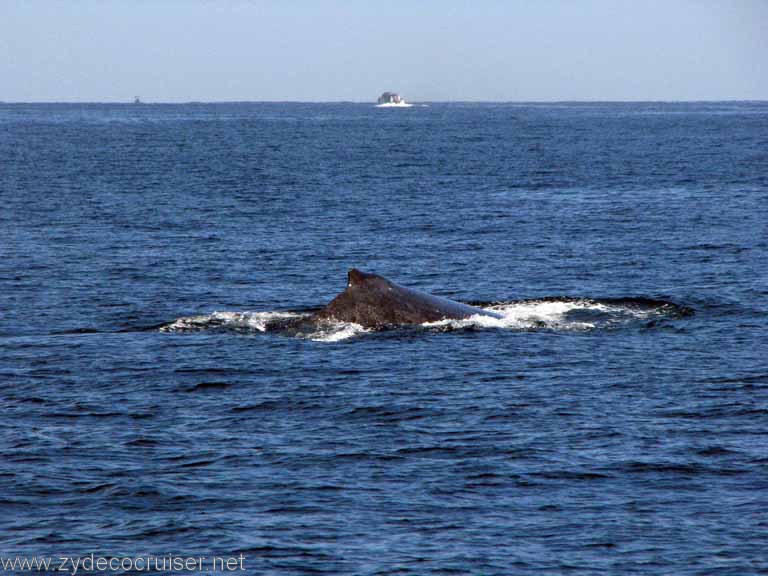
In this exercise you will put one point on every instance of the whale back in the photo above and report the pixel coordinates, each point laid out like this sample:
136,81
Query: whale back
376,302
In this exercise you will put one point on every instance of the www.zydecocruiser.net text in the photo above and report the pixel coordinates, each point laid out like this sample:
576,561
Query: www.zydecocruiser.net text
94,564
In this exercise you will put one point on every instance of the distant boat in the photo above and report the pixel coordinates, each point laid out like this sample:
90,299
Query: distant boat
137,101
392,100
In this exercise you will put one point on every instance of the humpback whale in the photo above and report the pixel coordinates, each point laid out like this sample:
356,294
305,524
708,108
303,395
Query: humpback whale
375,302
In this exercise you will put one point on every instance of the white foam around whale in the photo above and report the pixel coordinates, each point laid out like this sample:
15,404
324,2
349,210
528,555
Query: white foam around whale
335,332
262,322
567,315
561,315
259,321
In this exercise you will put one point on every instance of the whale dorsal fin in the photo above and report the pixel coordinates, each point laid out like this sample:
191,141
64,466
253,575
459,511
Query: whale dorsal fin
356,277
375,302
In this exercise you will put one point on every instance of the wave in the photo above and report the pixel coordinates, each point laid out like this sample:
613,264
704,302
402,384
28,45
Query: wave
562,314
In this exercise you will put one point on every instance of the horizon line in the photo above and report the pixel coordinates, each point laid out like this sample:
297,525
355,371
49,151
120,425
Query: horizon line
372,102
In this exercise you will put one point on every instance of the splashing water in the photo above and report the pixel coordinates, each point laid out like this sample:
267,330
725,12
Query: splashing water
336,331
566,315
235,321
526,316
292,323
559,314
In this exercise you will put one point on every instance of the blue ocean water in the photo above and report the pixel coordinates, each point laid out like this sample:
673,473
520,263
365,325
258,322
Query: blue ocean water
147,408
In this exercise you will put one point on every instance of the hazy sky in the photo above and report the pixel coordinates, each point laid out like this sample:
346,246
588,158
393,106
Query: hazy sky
500,50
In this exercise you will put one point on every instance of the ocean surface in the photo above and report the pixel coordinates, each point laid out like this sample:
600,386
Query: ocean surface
613,421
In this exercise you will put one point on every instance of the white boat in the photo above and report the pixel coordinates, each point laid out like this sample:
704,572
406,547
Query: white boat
392,100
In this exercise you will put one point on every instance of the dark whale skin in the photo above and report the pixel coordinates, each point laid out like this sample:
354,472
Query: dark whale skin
375,302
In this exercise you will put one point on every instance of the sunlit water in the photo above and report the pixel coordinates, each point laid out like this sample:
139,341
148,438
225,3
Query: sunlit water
162,390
